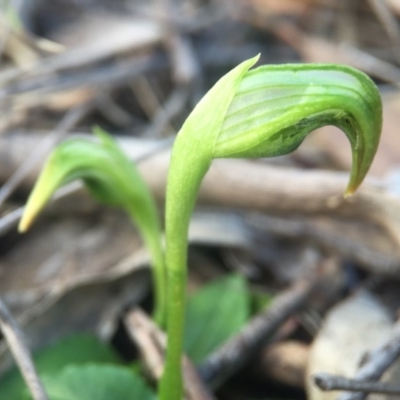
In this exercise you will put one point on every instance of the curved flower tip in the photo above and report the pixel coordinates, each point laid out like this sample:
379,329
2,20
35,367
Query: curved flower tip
363,156
76,158
98,164
25,223
351,189
275,107
41,194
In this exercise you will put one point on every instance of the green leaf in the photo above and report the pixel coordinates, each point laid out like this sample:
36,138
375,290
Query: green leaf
77,349
97,382
214,314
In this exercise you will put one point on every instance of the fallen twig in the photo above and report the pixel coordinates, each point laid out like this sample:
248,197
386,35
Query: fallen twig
378,361
328,382
17,344
152,342
235,352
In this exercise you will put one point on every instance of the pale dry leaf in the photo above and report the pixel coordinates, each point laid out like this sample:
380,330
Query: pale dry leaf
352,328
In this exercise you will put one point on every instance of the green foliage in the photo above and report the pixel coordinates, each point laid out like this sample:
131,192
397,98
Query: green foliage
97,382
265,112
111,179
75,350
214,314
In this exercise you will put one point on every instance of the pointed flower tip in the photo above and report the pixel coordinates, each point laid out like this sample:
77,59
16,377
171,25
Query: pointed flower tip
36,201
350,190
25,223
31,211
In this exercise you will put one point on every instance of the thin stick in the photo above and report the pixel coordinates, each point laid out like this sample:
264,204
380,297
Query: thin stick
17,344
328,382
378,361
151,342
236,351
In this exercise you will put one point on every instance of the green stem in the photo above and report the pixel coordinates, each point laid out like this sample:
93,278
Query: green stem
160,283
177,224
190,161
151,234
171,385
178,212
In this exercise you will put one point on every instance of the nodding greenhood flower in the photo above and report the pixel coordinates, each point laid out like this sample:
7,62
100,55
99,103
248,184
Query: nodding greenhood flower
112,180
264,112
